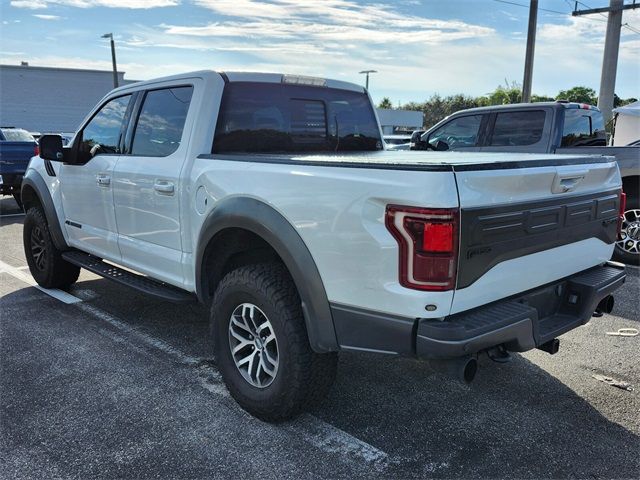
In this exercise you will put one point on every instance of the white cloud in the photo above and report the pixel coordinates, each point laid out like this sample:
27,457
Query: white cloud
132,4
326,21
30,4
46,17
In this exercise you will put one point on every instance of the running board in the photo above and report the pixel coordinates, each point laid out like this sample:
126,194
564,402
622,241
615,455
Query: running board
139,282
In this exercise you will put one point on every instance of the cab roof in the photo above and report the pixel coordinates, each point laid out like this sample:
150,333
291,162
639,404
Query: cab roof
259,77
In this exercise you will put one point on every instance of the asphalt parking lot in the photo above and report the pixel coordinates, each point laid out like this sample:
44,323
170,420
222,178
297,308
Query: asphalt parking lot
115,384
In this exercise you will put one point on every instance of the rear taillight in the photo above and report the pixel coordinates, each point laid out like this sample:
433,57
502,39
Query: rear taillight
36,150
428,241
623,208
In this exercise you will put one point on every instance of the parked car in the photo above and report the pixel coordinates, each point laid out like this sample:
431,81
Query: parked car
17,146
269,199
546,127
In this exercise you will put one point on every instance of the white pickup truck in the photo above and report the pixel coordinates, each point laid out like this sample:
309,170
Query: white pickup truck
270,199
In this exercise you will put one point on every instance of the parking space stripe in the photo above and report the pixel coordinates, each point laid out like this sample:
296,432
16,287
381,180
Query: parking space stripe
331,439
26,278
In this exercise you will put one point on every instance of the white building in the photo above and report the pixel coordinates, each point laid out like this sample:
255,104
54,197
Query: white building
399,121
46,99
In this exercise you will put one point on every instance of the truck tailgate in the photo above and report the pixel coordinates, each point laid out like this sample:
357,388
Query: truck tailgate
15,156
521,228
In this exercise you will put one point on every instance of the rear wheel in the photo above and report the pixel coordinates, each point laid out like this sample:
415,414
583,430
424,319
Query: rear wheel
261,344
46,264
628,244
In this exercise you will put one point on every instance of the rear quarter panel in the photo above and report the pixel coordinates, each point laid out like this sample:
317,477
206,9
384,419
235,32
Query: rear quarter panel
339,214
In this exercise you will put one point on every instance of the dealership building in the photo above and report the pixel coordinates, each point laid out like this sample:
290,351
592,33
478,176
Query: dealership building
395,121
51,100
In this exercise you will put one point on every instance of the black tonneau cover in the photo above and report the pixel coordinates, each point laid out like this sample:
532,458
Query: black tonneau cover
418,160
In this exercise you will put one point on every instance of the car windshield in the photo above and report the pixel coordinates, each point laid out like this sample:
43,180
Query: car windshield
17,135
273,117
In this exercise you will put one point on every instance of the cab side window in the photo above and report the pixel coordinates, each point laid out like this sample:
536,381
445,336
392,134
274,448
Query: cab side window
458,133
104,131
513,129
158,131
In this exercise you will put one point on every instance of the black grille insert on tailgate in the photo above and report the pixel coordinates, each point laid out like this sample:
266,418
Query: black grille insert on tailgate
491,235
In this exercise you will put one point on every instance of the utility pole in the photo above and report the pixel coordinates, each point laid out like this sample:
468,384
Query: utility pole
113,59
367,72
611,49
531,45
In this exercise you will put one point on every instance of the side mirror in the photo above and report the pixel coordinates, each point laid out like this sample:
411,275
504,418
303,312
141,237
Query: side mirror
51,148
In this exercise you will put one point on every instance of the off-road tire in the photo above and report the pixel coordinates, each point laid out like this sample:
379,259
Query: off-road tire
52,271
303,377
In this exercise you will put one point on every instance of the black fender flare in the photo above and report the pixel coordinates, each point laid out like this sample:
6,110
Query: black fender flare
32,179
263,220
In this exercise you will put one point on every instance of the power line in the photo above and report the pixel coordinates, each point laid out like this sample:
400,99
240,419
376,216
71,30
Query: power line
565,14
625,25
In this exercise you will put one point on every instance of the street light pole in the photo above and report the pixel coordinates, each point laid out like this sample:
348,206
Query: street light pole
113,58
367,72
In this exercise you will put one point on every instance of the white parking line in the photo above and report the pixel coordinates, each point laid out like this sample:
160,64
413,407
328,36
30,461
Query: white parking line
25,277
330,439
12,215
313,430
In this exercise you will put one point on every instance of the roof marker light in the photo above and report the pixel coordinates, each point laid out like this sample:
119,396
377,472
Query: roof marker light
303,80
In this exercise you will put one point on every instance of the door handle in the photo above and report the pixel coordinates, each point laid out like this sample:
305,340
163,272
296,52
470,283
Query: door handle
103,180
567,181
164,187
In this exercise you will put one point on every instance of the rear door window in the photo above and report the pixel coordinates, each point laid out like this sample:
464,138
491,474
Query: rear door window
512,129
582,128
158,130
460,132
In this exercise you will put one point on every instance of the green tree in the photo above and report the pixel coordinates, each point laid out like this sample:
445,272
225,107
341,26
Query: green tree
541,98
503,95
619,102
579,95
385,103
436,107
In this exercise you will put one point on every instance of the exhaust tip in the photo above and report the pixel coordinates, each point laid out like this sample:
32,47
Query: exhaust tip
463,369
605,306
469,370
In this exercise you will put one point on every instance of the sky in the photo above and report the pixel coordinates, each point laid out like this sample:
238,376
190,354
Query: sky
418,47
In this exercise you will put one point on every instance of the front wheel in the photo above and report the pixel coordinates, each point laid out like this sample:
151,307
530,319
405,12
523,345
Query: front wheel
45,261
261,344
628,245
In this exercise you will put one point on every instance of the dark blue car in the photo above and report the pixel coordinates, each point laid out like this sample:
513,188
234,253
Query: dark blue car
17,146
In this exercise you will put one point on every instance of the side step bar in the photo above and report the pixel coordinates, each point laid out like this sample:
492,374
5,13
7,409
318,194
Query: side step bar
139,282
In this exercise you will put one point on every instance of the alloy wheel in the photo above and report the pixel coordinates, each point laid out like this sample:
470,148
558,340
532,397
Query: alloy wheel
629,240
38,248
253,345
